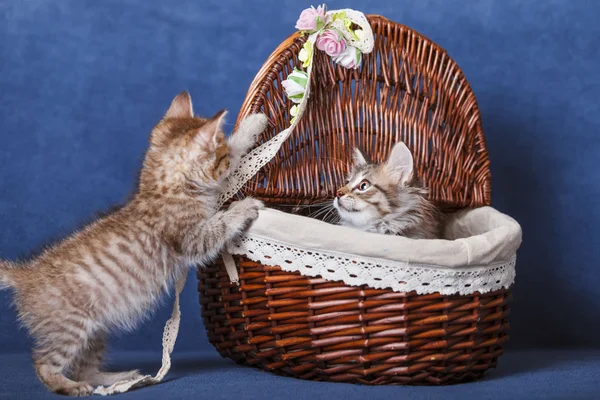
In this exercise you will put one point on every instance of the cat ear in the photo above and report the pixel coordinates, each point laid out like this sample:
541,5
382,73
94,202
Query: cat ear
181,107
359,158
207,135
400,163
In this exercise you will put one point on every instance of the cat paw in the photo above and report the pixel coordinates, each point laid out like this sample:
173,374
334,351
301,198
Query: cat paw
253,125
247,133
76,389
248,205
244,212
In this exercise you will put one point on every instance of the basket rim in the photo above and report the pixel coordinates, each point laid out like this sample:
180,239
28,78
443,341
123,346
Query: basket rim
478,252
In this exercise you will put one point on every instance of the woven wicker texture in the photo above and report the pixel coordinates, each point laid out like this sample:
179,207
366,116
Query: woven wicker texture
408,89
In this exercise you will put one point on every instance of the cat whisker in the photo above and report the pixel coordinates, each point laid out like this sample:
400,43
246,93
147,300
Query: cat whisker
322,207
331,214
324,211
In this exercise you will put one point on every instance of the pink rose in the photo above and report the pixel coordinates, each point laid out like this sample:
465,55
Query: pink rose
308,18
331,43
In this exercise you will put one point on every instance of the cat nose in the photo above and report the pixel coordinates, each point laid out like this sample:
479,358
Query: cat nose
339,193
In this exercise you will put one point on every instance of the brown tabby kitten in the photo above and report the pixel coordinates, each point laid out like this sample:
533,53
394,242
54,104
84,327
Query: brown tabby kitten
387,198
110,274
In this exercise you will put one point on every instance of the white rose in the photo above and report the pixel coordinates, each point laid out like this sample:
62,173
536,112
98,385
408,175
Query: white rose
295,85
349,58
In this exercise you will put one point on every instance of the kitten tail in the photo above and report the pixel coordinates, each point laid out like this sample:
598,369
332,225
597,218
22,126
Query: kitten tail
6,272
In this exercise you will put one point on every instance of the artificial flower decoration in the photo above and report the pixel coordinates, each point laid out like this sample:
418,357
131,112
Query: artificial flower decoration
333,32
295,85
294,112
331,42
312,19
349,58
306,54
326,28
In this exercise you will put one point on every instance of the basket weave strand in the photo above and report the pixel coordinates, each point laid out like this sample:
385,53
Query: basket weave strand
408,89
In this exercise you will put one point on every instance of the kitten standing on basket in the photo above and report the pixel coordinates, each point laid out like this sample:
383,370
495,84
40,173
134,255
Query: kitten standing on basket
109,275
387,198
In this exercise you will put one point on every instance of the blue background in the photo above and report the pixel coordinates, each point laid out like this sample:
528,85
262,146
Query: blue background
83,82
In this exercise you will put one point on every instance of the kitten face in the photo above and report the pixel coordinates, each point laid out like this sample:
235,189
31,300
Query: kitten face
367,195
385,198
186,152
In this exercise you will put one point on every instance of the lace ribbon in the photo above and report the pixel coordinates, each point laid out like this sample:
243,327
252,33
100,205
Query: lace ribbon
378,273
168,343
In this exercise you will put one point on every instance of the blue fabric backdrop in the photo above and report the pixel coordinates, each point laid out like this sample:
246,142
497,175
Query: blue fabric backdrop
83,82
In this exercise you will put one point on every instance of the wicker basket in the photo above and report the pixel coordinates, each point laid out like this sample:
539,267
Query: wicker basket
311,328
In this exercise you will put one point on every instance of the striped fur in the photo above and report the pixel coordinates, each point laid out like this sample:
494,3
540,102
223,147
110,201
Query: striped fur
387,198
111,274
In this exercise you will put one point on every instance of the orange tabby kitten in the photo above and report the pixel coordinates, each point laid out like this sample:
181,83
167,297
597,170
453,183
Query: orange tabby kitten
110,274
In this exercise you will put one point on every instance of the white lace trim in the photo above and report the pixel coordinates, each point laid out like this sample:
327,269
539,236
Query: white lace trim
251,163
380,274
366,41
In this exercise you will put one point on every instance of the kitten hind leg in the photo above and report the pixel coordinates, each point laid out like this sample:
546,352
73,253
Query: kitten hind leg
51,363
88,366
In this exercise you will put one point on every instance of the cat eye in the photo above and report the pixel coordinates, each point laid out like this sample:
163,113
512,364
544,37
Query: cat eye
364,185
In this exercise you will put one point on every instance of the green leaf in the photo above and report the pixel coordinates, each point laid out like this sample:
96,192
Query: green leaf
307,51
348,25
339,15
298,96
320,23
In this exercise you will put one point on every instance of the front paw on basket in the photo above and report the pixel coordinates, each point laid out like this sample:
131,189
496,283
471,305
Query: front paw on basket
244,213
253,125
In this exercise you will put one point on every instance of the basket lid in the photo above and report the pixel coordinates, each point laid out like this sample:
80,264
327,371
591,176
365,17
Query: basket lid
407,89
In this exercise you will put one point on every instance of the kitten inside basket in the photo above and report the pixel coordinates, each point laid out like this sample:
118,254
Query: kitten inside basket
387,198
